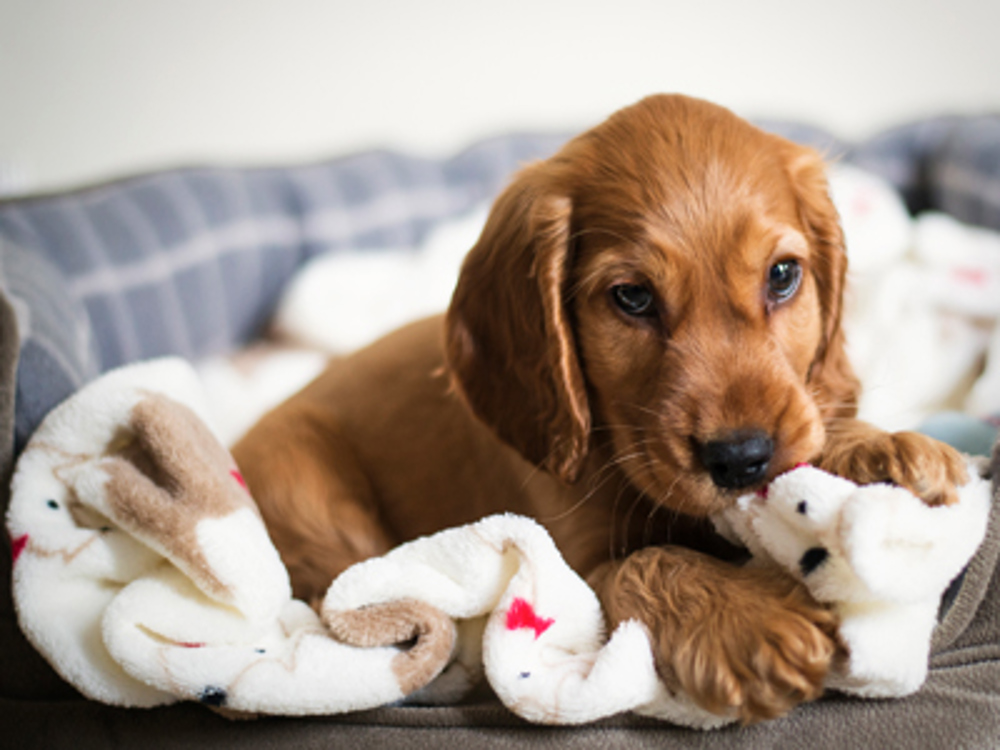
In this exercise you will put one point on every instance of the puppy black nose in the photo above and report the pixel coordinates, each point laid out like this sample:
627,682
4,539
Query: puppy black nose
738,461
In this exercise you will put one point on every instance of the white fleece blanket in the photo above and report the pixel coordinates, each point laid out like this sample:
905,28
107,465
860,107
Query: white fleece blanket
144,574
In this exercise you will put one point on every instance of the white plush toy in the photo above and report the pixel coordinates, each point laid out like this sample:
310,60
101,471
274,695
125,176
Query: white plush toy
876,553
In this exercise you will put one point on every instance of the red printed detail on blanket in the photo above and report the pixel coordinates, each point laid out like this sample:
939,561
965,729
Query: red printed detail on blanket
239,479
190,644
522,615
17,546
977,277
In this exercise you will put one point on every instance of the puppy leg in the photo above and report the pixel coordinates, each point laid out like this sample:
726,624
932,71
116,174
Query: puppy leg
315,500
865,454
739,641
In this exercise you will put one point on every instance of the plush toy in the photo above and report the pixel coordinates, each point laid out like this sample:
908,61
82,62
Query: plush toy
144,574
877,554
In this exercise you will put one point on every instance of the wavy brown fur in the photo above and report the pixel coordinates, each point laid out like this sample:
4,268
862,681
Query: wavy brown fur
537,395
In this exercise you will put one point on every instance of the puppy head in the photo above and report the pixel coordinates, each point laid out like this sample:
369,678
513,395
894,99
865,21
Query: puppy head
667,286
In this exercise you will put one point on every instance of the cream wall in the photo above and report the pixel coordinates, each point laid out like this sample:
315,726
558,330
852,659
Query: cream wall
95,88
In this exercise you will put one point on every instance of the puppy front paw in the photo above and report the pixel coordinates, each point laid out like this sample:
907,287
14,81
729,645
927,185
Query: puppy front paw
930,469
742,642
757,658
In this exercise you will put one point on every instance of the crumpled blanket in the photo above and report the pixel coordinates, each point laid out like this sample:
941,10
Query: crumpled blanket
144,574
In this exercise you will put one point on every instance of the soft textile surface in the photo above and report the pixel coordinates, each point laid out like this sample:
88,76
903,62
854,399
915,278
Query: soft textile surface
145,576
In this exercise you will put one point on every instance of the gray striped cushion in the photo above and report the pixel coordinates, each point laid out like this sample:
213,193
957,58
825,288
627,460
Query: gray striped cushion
191,261
965,172
57,350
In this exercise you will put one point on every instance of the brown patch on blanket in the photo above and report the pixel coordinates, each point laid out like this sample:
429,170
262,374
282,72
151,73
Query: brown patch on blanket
167,474
427,633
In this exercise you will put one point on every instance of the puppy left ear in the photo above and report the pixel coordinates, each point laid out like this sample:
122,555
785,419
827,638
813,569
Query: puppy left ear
509,339
831,369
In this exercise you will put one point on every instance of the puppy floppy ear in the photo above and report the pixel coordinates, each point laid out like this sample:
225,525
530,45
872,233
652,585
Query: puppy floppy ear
509,341
822,223
831,370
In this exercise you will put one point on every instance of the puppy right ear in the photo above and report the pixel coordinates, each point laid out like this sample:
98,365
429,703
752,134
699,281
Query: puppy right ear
831,371
509,341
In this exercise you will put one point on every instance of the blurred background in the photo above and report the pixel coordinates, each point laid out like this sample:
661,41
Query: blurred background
92,89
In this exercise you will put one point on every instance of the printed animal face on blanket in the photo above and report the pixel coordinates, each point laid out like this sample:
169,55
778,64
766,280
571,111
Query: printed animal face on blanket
145,576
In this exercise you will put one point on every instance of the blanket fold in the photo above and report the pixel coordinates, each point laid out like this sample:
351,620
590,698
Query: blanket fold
145,575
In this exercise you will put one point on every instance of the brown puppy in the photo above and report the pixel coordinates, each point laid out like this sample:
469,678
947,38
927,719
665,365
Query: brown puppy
648,326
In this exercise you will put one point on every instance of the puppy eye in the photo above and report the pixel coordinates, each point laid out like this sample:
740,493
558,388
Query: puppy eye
635,300
783,280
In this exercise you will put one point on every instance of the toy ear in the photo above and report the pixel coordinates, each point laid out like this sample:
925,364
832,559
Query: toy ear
900,548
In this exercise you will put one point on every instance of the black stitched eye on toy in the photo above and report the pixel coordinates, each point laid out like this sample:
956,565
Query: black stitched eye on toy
783,280
213,696
812,559
635,300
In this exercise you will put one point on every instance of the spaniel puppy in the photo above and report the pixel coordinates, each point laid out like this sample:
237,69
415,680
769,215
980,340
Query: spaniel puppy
648,327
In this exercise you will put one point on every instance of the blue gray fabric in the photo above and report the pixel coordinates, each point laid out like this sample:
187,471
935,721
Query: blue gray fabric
191,261
57,350
973,436
965,172
904,155
826,143
949,164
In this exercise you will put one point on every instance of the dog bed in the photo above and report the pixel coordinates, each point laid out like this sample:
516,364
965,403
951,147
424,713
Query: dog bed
192,262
